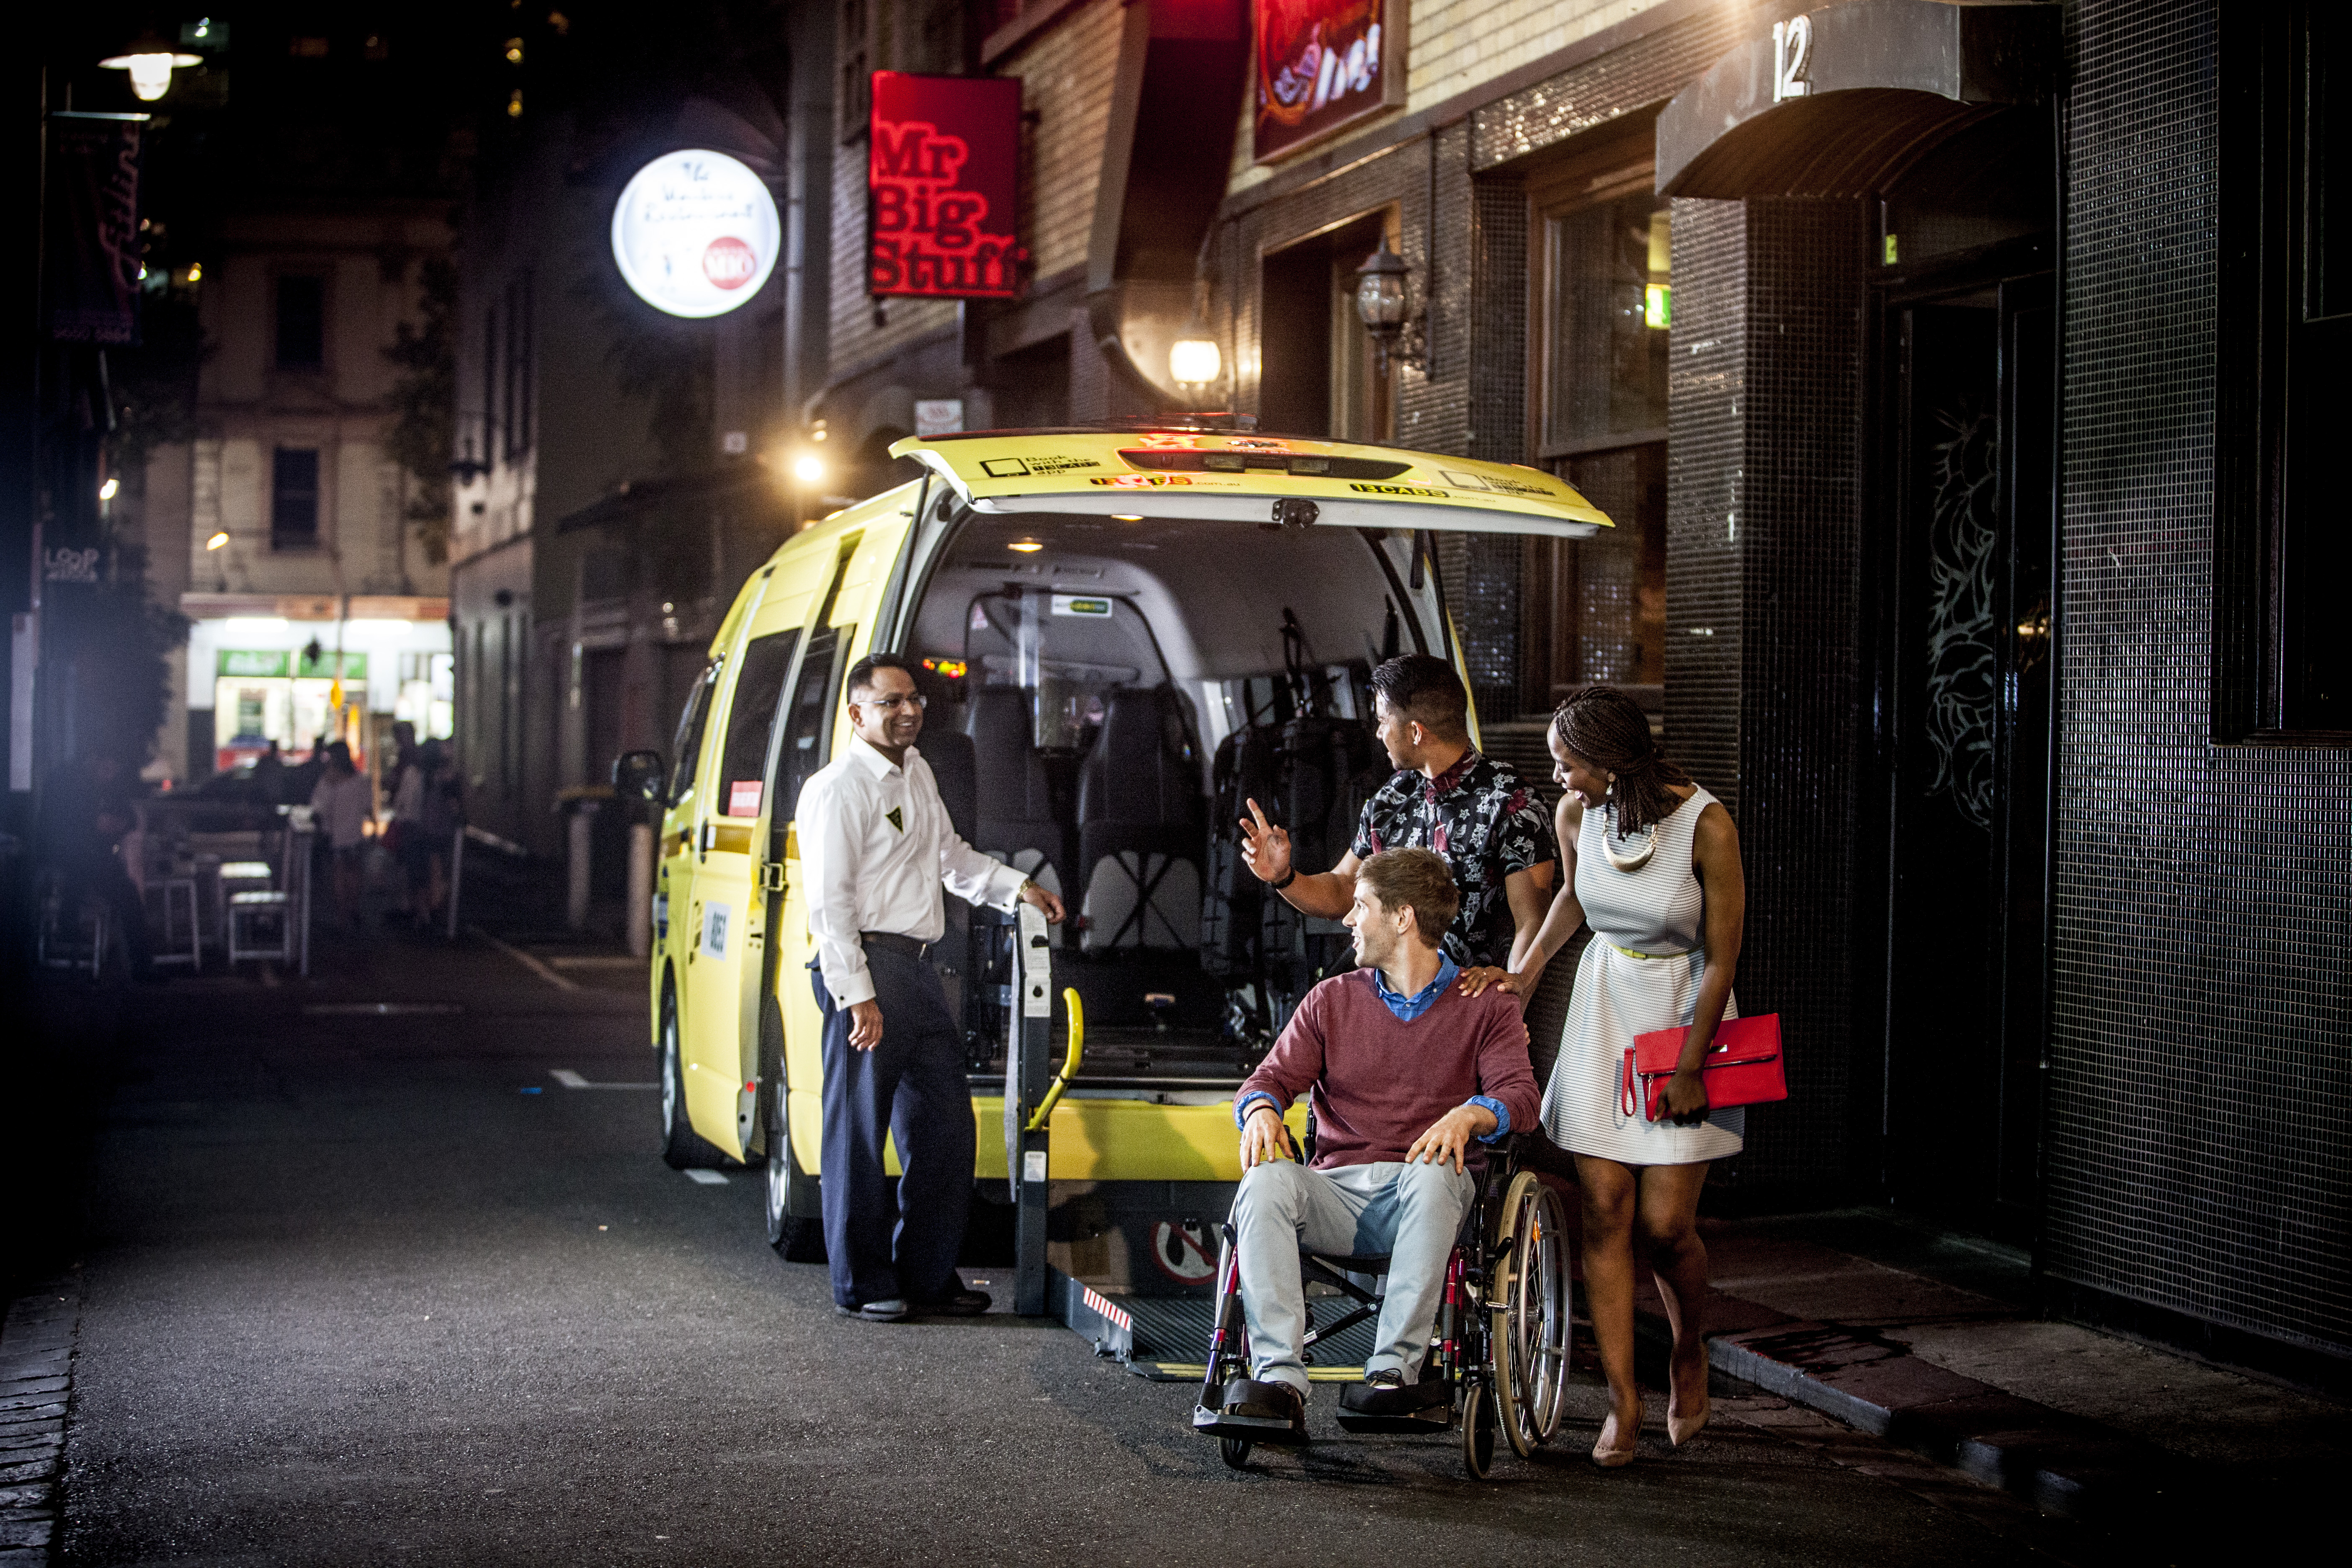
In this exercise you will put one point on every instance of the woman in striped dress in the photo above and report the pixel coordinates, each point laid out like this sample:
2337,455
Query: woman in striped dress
1654,864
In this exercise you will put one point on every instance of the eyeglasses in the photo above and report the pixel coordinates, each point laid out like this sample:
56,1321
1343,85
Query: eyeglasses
890,704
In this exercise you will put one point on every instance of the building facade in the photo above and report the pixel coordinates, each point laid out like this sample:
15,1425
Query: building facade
286,530
1966,544
619,470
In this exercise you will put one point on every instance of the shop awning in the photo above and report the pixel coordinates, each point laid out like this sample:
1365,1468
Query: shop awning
1841,100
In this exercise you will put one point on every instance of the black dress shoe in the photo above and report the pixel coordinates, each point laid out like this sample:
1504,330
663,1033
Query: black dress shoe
886,1311
1386,1392
960,1304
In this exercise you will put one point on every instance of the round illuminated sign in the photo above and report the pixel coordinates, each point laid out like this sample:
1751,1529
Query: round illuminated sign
696,233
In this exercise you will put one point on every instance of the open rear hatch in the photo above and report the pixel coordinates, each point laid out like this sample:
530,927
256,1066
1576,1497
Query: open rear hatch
1235,475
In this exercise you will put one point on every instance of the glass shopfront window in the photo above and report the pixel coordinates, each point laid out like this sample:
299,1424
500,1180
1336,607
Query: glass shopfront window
1601,277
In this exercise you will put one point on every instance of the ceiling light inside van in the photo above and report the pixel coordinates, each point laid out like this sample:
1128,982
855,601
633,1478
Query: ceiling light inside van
1027,547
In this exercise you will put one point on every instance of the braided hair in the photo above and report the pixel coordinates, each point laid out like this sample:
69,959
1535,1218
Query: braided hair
1608,729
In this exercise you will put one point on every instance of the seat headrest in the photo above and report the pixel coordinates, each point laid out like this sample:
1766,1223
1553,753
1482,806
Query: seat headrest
1141,769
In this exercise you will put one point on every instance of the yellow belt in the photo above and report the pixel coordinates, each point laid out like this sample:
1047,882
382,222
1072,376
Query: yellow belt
1630,953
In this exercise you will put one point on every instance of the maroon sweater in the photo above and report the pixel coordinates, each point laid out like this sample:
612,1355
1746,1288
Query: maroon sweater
1379,1082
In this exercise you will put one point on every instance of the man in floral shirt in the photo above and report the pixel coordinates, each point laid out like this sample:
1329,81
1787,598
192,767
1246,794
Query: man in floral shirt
1448,797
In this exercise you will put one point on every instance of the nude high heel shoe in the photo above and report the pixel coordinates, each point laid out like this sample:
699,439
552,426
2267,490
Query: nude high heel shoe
1681,1429
1610,1458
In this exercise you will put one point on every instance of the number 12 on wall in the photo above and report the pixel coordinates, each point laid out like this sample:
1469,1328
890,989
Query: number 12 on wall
1793,52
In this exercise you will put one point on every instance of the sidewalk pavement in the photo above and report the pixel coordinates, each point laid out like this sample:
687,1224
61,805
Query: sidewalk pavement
1933,1341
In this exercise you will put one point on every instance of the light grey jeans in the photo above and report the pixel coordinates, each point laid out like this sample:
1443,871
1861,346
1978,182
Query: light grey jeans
1409,1213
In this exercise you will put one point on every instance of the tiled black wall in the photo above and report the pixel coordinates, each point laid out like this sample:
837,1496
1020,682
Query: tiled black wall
1706,454
1800,763
2200,1101
1763,619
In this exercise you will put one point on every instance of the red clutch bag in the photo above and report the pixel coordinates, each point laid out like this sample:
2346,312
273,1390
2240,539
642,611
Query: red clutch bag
1742,1065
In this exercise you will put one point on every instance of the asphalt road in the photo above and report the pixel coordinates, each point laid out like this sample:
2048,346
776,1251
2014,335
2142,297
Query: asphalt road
369,1287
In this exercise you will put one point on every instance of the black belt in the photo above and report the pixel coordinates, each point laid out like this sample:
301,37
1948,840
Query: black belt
917,951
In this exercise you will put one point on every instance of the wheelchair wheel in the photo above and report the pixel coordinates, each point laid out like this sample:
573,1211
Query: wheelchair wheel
1477,1430
1234,1451
1531,1316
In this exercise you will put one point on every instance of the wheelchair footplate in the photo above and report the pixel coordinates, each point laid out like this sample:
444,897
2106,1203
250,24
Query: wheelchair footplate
1248,1428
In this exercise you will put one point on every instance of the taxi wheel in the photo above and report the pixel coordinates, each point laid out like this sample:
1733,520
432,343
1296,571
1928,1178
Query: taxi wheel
795,1237
682,1147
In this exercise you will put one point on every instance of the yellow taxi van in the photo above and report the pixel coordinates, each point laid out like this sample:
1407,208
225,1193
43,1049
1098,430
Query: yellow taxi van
1123,633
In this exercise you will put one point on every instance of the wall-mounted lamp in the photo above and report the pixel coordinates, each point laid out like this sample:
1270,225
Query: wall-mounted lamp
151,61
809,469
110,489
218,541
1381,304
1194,362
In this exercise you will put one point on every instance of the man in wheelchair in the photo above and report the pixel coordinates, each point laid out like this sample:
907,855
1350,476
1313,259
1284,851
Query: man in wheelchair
1407,1078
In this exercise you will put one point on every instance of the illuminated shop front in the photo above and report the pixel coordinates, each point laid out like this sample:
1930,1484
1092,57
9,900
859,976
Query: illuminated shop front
293,679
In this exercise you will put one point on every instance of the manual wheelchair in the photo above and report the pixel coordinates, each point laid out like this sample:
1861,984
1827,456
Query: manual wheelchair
1500,1344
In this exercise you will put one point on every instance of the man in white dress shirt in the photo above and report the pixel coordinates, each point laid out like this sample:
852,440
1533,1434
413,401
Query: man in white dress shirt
876,846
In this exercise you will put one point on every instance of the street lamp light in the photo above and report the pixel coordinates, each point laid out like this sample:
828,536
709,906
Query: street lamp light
151,60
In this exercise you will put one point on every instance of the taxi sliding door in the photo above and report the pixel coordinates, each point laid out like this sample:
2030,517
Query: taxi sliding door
708,923
813,732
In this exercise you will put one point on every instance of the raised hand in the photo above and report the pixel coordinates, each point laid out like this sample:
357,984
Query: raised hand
1266,849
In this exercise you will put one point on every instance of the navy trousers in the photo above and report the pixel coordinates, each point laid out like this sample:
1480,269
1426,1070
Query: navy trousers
913,1086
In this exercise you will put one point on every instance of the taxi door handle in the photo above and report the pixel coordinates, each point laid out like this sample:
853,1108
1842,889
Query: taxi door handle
703,840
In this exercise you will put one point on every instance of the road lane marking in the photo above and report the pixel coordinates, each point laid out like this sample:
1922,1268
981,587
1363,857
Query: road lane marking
570,1080
560,983
705,1178
378,1009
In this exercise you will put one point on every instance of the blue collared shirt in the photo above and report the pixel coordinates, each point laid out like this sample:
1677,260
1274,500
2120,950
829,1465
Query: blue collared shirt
1407,1009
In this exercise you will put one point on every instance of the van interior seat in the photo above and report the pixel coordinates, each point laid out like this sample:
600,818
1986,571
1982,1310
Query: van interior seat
1015,817
1141,825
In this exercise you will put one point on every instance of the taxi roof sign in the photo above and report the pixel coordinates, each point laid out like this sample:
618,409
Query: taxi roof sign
1244,477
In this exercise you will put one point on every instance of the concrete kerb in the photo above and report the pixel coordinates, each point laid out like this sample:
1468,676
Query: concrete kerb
2060,1462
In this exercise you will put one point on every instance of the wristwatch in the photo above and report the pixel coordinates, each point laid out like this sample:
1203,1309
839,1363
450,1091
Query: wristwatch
1293,877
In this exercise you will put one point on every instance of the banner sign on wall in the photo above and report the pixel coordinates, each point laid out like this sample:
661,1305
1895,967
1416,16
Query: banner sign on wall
943,187
93,228
696,233
1321,65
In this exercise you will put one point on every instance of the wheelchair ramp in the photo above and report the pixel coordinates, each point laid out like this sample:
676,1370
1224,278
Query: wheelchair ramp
1164,1338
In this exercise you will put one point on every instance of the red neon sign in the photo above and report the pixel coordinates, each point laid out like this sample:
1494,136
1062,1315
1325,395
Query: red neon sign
942,187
